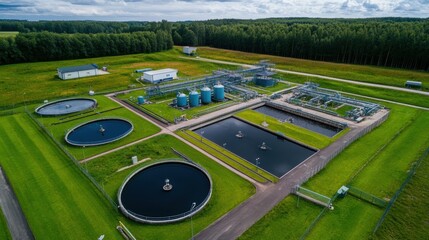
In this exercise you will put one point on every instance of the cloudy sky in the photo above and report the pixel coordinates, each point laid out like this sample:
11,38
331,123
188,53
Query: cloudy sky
176,10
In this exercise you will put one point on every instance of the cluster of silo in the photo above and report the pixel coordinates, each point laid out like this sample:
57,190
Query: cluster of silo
206,96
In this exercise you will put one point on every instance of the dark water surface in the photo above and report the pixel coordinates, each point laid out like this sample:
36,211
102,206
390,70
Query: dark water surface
280,156
91,133
307,123
144,195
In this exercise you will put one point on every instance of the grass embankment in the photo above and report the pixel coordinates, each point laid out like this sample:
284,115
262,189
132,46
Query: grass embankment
4,230
229,190
292,131
30,82
409,218
382,174
227,157
59,126
372,74
57,199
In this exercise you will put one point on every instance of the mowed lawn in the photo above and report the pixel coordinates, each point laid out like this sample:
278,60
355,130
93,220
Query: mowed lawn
4,231
35,82
58,200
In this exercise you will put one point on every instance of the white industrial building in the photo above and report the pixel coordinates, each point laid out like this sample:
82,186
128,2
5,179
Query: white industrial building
77,71
160,75
189,50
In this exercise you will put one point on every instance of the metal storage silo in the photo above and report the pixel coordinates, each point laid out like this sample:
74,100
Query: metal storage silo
194,99
181,100
219,92
140,100
206,95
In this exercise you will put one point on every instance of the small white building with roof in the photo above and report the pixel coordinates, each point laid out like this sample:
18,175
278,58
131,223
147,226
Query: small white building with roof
189,50
77,71
161,75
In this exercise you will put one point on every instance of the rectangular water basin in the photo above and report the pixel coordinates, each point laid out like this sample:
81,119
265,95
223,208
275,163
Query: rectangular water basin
307,123
248,141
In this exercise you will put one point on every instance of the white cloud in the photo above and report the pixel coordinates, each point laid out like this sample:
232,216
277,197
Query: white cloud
174,10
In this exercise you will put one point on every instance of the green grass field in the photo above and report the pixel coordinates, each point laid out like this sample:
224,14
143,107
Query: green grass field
386,76
4,231
59,126
30,82
8,34
55,196
380,177
229,190
412,206
58,200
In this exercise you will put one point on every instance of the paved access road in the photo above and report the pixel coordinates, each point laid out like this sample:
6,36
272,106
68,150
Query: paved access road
16,222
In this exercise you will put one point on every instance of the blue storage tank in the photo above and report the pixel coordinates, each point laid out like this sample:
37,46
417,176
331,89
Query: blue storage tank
206,95
265,82
194,99
219,92
140,100
181,100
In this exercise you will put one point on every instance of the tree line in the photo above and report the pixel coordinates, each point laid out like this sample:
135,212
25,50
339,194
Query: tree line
382,42
388,42
47,46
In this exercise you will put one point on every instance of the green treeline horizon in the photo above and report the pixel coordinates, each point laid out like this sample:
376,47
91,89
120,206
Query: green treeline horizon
387,42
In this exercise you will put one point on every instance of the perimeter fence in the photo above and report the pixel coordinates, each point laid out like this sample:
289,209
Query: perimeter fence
74,160
411,173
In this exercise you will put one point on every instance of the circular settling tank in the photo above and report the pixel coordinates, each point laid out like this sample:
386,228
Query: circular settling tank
66,106
98,132
165,192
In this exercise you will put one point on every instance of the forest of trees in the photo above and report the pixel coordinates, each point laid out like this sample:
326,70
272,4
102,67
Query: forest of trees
398,43
389,42
46,46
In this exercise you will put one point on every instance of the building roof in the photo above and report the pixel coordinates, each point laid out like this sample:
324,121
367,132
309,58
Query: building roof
160,71
78,68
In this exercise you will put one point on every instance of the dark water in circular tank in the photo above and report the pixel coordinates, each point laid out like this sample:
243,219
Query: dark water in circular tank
99,132
143,194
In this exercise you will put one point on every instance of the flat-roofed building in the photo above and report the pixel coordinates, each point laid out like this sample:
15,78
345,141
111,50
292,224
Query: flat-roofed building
77,71
160,75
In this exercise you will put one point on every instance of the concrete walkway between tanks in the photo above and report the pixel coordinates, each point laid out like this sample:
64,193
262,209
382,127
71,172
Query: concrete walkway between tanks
16,222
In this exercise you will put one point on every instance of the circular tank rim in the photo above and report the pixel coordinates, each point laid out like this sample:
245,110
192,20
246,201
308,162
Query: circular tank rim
97,144
153,220
63,100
